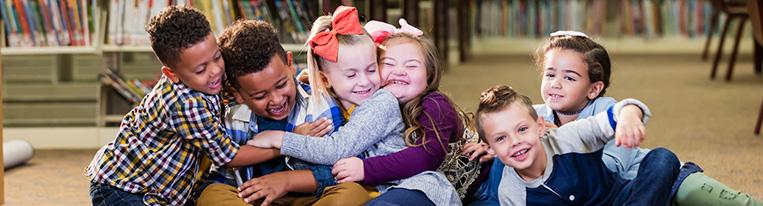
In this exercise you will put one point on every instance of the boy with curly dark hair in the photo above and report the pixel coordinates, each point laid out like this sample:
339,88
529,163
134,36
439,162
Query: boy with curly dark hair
261,74
165,144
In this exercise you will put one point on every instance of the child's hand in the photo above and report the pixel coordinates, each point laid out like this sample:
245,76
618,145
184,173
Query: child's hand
271,187
317,128
630,131
348,170
474,150
267,139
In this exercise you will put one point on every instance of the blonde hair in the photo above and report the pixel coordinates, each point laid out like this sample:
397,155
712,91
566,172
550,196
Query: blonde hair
498,98
413,109
316,64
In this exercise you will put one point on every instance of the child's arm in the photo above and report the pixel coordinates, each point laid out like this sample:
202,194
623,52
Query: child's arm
411,160
592,133
372,121
249,155
193,120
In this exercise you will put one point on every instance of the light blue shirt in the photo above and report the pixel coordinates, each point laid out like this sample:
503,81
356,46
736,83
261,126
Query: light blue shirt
621,160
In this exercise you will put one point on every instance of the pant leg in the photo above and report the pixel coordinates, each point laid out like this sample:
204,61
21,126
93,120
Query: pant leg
348,193
699,189
398,196
652,186
220,194
104,195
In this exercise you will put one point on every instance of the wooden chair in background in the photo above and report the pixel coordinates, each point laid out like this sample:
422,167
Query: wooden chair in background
733,10
755,8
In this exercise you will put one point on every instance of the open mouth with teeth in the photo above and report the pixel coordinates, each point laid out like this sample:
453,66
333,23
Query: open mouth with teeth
399,82
363,92
555,96
520,155
215,84
278,110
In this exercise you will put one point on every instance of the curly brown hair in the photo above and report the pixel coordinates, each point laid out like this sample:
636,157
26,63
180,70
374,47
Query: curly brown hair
247,47
176,28
498,98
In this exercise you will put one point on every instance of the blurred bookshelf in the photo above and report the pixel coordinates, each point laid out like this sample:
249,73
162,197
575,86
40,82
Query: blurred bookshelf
56,52
597,18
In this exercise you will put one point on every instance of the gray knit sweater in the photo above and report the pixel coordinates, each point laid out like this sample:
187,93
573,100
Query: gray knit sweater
375,128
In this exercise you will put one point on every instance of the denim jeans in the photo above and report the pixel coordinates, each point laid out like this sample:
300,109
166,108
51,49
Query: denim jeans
400,196
103,195
652,185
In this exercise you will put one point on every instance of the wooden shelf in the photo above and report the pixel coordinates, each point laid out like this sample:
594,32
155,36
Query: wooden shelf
295,47
114,118
7,51
118,48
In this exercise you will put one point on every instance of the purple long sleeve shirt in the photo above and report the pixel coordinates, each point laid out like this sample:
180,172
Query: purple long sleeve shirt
414,160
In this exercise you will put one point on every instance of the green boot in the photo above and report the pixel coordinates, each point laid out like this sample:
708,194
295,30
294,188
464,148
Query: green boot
699,189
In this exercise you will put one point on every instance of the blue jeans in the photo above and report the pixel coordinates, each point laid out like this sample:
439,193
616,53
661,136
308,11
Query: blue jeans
399,196
103,195
652,185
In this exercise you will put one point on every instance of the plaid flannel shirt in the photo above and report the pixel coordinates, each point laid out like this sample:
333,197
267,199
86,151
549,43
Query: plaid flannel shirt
242,125
160,145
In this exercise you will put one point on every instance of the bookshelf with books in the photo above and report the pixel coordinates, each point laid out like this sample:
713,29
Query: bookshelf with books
56,51
640,18
50,27
128,56
635,24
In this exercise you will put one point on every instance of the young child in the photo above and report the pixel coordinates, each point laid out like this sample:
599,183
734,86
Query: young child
410,70
156,158
261,74
342,63
559,166
576,72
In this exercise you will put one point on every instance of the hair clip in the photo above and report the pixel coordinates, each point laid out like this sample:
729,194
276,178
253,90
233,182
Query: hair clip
569,33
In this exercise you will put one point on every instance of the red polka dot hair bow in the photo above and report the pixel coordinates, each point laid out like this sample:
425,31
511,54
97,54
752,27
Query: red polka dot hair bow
380,31
345,21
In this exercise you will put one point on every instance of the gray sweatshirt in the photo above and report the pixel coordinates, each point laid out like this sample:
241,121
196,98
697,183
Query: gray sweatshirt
375,128
581,136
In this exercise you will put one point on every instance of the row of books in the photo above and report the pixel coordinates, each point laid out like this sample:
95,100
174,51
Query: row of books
647,18
37,23
293,17
31,23
131,89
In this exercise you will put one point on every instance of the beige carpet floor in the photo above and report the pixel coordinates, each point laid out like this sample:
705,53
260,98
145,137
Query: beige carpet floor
704,121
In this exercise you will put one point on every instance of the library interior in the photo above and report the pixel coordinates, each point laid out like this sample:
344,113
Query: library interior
72,69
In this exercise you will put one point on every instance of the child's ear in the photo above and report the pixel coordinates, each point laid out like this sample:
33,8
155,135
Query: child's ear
490,150
236,94
290,63
170,73
541,125
595,89
325,80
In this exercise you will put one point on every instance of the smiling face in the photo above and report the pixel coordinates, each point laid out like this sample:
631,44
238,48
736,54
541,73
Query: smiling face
514,137
271,92
403,69
355,77
566,86
200,67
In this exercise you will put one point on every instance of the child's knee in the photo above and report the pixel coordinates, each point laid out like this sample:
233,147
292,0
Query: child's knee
348,193
663,158
220,194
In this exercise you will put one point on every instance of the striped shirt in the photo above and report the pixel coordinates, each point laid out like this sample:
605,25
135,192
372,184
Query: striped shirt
161,143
